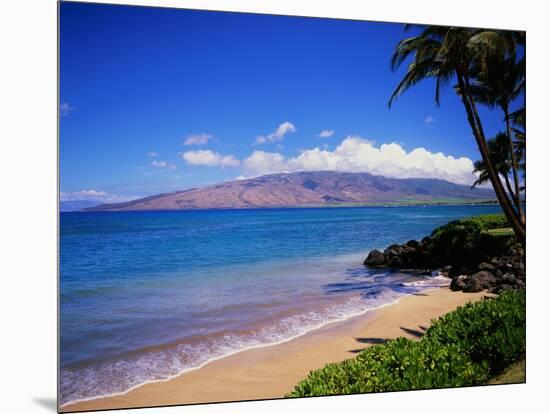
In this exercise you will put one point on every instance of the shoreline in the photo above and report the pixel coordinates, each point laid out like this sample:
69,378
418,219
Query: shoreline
270,371
299,206
308,331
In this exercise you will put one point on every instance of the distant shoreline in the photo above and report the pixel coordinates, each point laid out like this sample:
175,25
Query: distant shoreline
306,206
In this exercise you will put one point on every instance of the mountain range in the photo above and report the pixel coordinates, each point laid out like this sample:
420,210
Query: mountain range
300,189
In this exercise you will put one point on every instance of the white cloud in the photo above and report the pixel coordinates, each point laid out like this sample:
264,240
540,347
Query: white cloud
152,154
93,195
261,162
163,164
326,133
209,158
430,120
65,109
198,139
277,135
355,154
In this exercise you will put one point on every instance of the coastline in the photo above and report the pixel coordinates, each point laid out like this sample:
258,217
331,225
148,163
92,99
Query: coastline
272,371
428,203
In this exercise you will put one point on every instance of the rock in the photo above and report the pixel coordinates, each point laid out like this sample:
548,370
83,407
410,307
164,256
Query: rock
446,271
520,252
473,285
408,251
508,279
458,283
485,278
500,288
486,266
375,259
423,247
412,243
393,250
519,267
396,262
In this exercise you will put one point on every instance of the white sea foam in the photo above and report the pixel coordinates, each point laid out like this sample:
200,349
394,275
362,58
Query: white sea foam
429,281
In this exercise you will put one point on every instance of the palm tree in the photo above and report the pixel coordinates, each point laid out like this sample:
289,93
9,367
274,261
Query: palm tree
499,152
518,120
446,53
498,83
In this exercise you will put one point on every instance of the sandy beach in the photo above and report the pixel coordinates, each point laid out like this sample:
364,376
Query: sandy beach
272,371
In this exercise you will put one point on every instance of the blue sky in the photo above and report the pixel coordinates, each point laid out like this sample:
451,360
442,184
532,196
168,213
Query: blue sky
156,100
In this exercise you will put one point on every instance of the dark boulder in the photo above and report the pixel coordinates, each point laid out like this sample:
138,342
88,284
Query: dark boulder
446,271
458,283
408,251
376,259
519,267
486,266
500,288
509,279
486,279
412,243
473,285
396,262
392,251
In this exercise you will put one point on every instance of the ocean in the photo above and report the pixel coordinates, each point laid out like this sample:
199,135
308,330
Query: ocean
145,296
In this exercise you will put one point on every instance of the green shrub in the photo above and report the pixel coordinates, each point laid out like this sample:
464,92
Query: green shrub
465,242
490,331
463,348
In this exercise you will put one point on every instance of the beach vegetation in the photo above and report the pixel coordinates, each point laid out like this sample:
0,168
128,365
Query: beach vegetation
489,69
469,239
465,347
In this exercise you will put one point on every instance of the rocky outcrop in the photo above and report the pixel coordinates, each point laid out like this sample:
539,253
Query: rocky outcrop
507,275
376,259
495,274
411,255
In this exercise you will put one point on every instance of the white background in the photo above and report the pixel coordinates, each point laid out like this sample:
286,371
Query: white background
28,220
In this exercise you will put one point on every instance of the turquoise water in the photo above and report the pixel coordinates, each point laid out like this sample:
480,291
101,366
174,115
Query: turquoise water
148,295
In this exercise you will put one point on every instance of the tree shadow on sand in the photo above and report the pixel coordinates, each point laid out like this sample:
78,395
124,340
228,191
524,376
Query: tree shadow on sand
417,333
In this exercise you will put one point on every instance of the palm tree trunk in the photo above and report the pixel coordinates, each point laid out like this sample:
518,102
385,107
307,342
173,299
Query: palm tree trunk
514,165
477,129
509,187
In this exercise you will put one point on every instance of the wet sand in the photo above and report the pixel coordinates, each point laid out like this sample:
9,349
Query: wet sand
272,371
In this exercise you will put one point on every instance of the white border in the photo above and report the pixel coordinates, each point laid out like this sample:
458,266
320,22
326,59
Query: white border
28,220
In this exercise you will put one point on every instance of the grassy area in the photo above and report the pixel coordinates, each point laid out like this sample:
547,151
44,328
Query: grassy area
513,374
466,347
500,232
